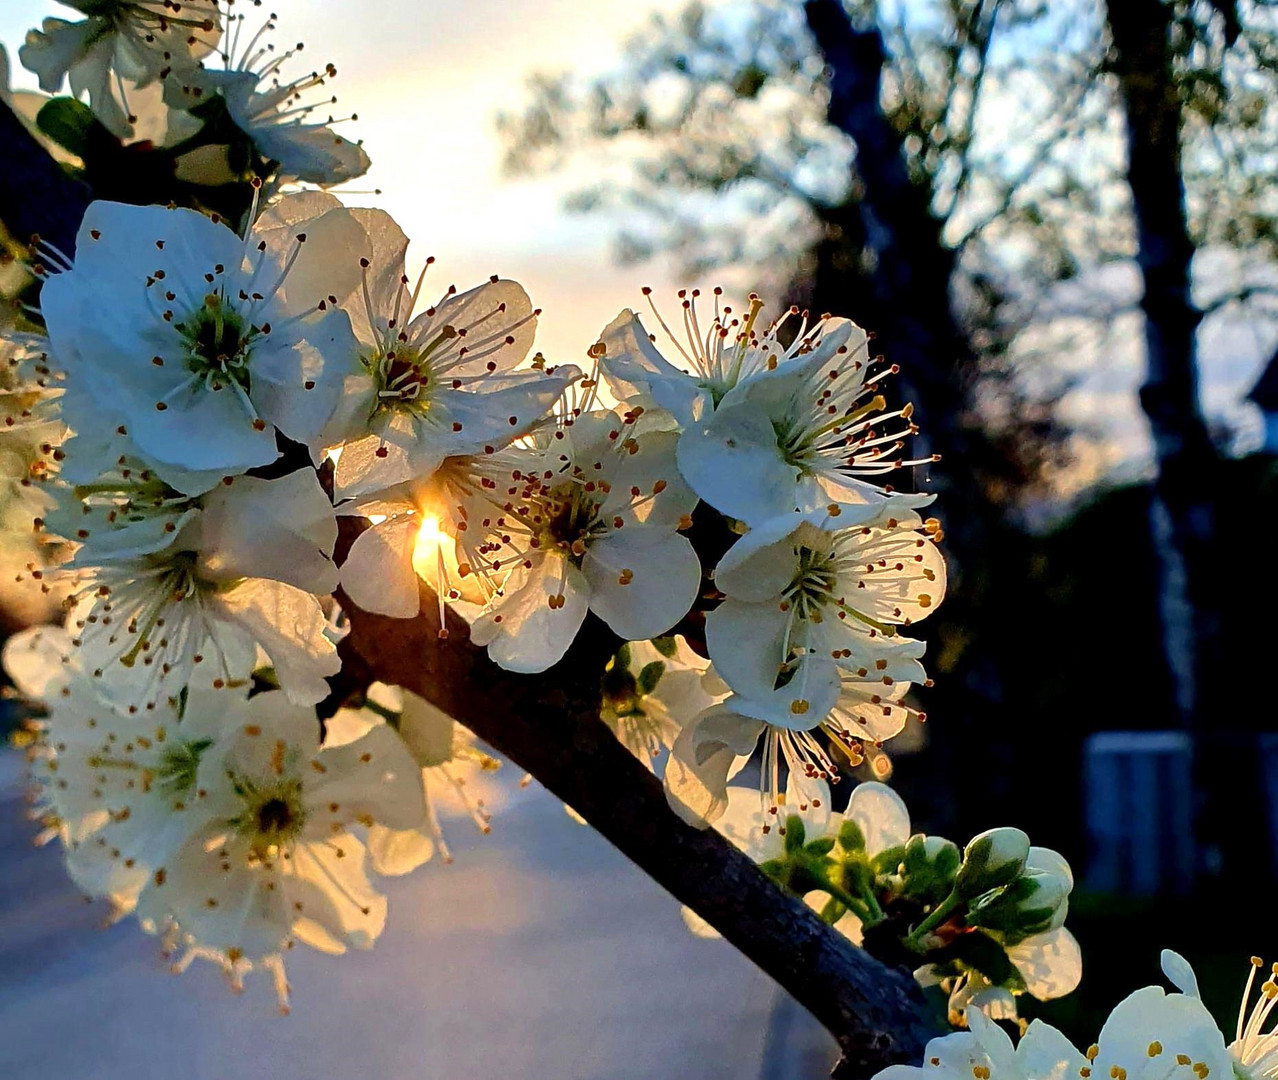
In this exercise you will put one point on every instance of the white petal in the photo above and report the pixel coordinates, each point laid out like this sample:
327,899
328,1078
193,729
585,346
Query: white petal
282,529
661,575
378,573
1051,964
696,779
289,625
732,461
882,815
522,631
399,851
1177,969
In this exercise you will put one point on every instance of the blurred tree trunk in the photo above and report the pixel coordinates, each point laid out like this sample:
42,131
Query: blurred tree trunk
904,297
1183,510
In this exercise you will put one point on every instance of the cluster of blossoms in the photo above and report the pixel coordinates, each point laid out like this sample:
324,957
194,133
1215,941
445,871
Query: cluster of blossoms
1150,1034
203,395
210,393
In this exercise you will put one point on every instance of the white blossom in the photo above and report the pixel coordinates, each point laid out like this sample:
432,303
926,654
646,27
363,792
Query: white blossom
1254,1050
31,428
272,858
286,119
119,41
437,382
647,702
804,436
199,342
1151,1035
803,601
239,573
710,361
452,765
589,521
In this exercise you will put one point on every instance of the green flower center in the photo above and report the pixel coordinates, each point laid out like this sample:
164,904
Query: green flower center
273,814
218,342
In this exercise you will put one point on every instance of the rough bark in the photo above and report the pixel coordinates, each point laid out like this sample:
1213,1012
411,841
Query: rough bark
1183,512
549,725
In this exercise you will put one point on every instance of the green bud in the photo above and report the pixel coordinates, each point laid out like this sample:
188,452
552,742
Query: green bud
888,861
851,838
996,857
820,847
928,868
795,834
1029,905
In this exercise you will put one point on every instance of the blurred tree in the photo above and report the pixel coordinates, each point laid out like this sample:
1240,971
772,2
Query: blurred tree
954,174
869,189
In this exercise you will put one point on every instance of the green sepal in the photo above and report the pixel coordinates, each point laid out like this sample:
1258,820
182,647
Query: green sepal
649,676
851,838
667,646
795,834
72,125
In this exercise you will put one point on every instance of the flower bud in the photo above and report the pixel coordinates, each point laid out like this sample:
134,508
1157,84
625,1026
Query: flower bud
928,868
1029,905
990,860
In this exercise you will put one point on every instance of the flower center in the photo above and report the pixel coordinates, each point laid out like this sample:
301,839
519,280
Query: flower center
273,814
813,584
568,517
218,342
404,379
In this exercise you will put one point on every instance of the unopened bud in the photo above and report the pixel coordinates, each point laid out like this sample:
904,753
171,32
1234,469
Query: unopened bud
928,868
990,860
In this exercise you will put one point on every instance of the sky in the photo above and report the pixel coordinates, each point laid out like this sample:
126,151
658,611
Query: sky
426,80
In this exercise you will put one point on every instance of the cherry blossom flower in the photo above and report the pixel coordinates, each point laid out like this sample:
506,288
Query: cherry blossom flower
589,523
274,112
31,428
660,687
1254,1050
202,343
807,435
272,857
137,41
805,600
452,764
237,574
711,361
437,382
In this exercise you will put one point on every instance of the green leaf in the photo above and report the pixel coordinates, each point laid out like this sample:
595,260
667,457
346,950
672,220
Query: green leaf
795,834
650,676
821,846
72,125
622,659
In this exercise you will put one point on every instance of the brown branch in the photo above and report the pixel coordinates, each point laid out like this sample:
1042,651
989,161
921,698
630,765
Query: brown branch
36,196
549,725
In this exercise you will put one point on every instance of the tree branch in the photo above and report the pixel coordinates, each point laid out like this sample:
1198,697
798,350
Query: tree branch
36,196
549,725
